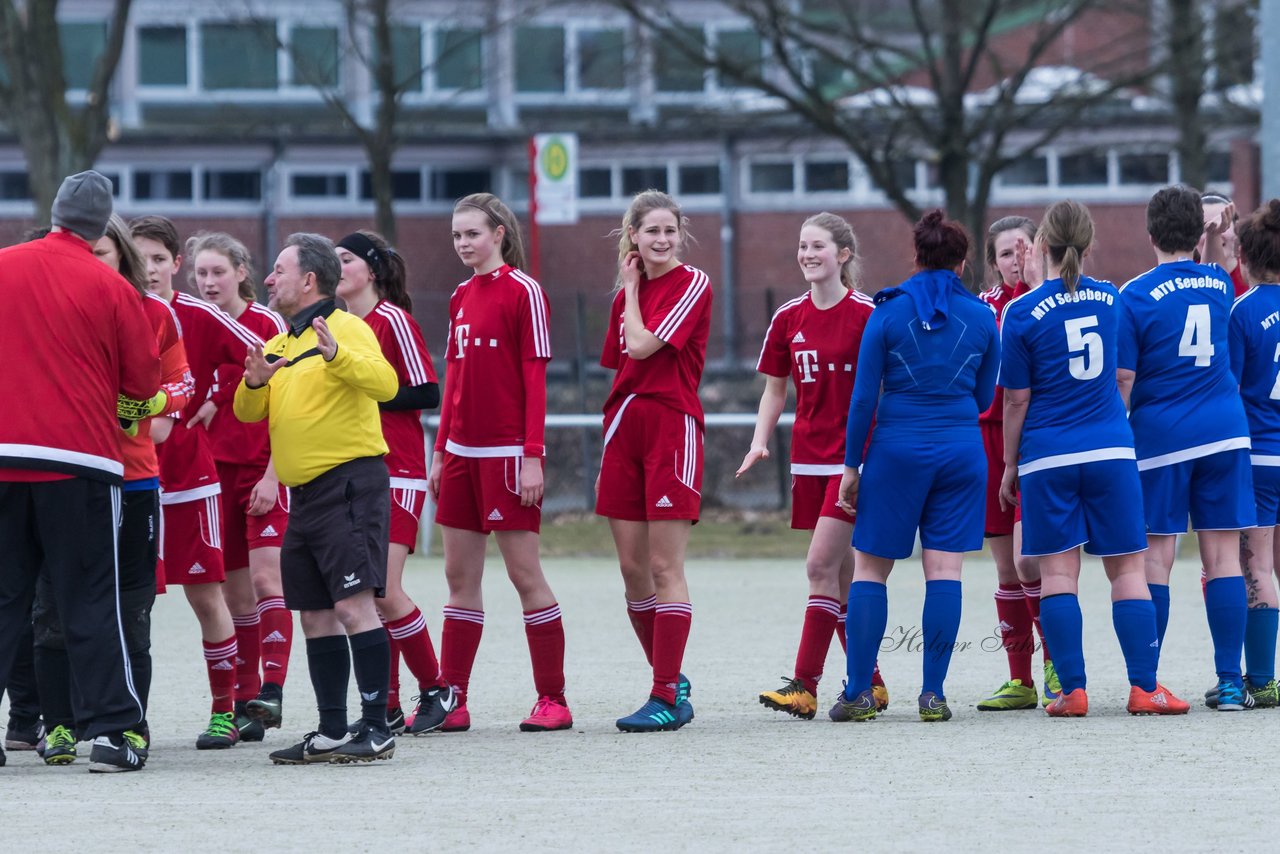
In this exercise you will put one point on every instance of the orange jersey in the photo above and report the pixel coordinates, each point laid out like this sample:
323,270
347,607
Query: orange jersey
175,380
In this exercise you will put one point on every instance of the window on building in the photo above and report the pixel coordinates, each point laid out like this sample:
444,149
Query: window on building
518,186
450,184
1218,167
903,174
540,59
636,179
114,178
825,72
406,56
162,184
1026,172
739,49
15,187
314,51
677,62
772,178
406,185
233,185
1144,168
601,59
595,183
1082,168
459,64
318,185
826,176
162,56
240,55
699,180
82,45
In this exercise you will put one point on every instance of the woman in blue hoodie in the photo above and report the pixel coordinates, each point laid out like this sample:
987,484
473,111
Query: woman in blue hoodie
926,369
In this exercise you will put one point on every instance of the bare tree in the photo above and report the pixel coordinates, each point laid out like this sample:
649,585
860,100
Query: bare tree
57,137
938,79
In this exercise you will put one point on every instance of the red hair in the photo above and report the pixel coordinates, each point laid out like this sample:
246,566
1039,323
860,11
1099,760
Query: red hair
941,244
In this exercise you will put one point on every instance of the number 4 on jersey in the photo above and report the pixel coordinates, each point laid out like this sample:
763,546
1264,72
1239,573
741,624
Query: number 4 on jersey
1197,341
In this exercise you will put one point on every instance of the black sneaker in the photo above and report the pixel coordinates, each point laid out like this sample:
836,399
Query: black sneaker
140,742
395,722
23,736
433,707
366,745
267,709
251,729
108,757
313,749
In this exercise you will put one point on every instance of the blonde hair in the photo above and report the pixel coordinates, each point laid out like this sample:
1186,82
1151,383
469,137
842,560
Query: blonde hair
1067,233
842,236
498,214
643,204
132,267
231,249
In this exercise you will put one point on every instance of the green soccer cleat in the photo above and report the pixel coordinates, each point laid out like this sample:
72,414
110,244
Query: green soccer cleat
1264,696
221,734
1011,696
1052,685
861,708
59,747
933,708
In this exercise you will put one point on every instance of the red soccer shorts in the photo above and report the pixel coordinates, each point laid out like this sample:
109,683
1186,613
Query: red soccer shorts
999,522
406,510
191,541
652,464
241,532
814,496
483,494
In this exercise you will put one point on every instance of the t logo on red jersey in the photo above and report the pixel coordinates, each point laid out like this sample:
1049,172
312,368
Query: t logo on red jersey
807,361
460,334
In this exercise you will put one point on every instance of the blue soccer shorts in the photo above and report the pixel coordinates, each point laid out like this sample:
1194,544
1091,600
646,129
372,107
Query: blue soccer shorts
1096,504
1216,491
937,488
1266,494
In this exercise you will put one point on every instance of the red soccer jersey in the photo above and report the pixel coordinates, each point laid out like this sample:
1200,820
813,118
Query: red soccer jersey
140,461
402,343
213,340
998,296
675,307
818,349
499,344
234,441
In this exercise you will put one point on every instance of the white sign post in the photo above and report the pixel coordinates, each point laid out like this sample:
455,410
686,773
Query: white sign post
555,178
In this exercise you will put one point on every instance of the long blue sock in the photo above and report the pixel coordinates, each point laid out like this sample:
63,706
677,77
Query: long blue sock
941,623
1227,607
864,629
1063,627
1135,622
1260,645
1160,598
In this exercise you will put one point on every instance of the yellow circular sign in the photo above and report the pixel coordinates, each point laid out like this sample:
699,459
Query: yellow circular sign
555,159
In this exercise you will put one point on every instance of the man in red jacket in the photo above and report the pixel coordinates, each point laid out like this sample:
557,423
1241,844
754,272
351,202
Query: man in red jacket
75,338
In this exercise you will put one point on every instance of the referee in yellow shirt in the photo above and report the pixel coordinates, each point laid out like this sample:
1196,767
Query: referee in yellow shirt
318,385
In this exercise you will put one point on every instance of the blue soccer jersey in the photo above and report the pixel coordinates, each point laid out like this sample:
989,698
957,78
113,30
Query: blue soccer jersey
1062,346
1254,335
1173,335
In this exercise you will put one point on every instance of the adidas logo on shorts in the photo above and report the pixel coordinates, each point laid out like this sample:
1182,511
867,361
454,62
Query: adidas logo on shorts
349,581
269,531
495,516
664,501
196,569
799,339
274,637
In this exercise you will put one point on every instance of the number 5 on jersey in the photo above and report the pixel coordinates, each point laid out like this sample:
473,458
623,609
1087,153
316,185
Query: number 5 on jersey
1197,341
1088,365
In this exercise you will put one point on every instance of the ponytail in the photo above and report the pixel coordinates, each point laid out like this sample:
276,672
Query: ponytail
1067,233
499,215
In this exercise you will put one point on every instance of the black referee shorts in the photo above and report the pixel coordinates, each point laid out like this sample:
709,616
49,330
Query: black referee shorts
336,542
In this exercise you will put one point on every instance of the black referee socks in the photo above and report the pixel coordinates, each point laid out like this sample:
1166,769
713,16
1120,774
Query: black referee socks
371,658
329,661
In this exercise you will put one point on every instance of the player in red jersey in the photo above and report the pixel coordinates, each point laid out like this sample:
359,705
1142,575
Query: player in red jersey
374,287
814,339
190,494
1017,596
486,472
255,507
651,471
1214,205
139,521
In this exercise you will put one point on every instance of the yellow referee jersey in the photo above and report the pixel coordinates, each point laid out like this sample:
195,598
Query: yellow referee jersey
322,414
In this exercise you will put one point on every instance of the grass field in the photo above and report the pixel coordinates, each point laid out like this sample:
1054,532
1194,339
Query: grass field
738,777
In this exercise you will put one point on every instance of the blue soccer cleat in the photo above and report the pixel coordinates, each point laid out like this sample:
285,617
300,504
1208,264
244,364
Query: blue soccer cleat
684,709
656,715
